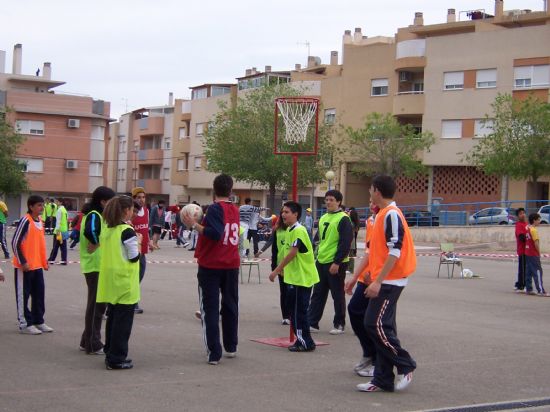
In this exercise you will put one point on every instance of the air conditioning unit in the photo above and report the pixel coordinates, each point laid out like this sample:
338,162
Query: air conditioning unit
405,76
71,164
73,123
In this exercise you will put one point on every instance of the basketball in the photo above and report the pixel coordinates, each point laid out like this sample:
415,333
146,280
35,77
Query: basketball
192,210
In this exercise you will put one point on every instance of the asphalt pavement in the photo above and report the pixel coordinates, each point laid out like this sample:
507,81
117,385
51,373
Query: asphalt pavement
475,342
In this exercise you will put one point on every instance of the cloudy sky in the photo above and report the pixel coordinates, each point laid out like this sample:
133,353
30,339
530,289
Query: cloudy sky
134,52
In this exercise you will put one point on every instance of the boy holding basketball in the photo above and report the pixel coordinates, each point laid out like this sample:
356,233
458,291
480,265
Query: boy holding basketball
300,274
218,258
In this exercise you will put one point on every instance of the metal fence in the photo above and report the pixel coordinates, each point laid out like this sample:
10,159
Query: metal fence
462,214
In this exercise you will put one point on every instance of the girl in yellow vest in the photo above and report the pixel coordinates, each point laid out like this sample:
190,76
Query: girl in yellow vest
391,261
118,279
29,261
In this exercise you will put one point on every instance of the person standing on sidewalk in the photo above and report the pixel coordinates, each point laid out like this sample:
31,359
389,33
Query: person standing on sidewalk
308,223
392,260
29,261
90,261
217,254
521,231
3,227
335,235
140,222
532,258
61,233
156,222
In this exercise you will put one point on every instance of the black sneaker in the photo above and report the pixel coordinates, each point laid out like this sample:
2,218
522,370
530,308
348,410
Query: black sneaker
122,365
297,347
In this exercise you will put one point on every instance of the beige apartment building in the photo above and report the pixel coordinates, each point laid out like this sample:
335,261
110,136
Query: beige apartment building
64,152
141,146
441,78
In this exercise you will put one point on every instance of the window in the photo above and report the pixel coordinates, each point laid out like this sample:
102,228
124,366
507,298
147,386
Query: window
134,174
98,133
96,169
150,172
32,165
330,116
166,173
418,87
451,129
30,127
122,146
220,90
199,129
198,162
167,143
453,80
182,165
183,133
154,142
199,93
532,76
121,174
379,87
483,127
486,78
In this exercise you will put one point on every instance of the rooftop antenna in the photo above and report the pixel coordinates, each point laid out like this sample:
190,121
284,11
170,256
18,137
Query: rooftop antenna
307,44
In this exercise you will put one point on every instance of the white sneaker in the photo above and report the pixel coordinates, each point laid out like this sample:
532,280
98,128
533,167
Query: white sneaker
337,331
367,372
362,364
369,387
313,330
30,330
213,362
97,352
198,315
403,381
44,328
231,354
285,322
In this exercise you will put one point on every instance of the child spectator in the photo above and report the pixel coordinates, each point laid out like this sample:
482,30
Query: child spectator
29,261
119,281
299,275
521,229
532,257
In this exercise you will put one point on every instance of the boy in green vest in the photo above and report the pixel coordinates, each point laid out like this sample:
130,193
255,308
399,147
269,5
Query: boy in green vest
335,235
61,233
299,275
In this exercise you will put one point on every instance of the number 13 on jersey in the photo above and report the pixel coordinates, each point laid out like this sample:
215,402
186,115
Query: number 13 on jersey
231,234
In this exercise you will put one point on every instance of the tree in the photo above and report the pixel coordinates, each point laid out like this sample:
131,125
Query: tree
12,177
519,144
384,146
240,139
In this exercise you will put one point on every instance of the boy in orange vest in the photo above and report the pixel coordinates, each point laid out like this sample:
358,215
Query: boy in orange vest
391,261
29,261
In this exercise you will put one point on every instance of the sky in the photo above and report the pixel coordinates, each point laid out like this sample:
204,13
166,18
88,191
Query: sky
134,52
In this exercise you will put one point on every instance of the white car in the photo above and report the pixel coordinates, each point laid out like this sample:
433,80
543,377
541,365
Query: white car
544,213
493,216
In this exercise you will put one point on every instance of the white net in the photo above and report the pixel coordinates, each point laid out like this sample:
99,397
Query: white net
297,115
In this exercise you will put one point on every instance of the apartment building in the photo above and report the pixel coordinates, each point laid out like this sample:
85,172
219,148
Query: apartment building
64,152
142,151
441,78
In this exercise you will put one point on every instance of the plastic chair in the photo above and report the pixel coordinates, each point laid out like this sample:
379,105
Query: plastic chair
249,262
449,257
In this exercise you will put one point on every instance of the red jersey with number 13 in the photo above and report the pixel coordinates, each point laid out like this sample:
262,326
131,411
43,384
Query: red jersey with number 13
222,253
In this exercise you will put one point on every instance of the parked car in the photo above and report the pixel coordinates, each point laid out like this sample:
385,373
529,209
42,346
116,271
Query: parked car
544,213
493,216
420,218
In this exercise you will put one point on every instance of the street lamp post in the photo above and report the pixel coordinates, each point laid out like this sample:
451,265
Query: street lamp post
329,175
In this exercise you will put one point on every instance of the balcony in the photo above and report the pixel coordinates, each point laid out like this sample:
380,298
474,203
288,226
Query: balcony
150,156
151,186
408,103
151,126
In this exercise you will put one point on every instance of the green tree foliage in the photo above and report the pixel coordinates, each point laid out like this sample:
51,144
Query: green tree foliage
12,177
384,146
240,141
519,145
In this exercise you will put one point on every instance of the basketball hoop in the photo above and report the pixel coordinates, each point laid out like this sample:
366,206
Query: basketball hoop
297,114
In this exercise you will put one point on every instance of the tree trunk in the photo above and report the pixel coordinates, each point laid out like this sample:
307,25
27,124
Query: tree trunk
504,191
271,205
